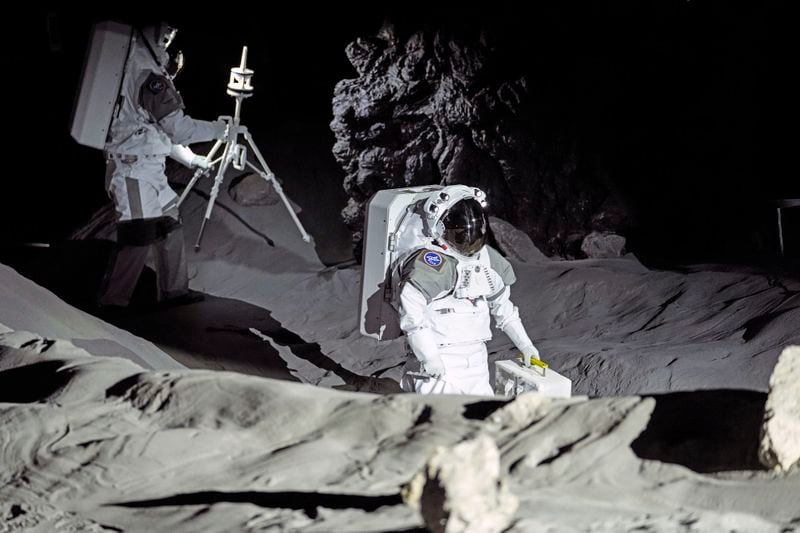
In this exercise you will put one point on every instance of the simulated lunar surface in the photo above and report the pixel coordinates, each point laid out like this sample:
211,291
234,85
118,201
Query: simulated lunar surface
171,419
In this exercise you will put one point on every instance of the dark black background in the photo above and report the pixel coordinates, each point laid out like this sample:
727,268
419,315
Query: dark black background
686,105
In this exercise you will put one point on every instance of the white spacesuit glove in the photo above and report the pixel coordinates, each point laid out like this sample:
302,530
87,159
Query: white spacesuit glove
516,332
529,352
423,344
201,161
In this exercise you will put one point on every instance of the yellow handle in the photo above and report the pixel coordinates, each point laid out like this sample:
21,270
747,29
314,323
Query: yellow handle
539,363
536,362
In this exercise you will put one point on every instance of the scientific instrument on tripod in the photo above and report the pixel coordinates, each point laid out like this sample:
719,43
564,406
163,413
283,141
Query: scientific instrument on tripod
235,153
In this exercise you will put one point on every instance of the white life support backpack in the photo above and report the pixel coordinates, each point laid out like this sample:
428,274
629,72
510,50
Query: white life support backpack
101,80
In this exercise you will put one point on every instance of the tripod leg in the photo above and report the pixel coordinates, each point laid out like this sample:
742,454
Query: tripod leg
199,172
268,175
226,159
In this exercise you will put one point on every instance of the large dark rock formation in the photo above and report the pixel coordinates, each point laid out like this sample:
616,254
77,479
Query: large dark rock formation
439,106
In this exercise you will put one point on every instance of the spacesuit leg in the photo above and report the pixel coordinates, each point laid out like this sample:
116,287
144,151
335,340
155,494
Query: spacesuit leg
477,381
124,268
467,371
170,263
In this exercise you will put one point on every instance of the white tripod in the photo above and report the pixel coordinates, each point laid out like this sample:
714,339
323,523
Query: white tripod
236,154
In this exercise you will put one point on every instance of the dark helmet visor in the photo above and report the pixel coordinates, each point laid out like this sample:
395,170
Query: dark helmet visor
465,227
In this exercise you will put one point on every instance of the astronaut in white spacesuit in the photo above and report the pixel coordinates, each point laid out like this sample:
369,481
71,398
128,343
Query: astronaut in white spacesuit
148,125
448,291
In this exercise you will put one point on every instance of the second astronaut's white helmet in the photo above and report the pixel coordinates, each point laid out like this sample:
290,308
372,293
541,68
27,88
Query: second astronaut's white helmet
456,216
160,34
158,39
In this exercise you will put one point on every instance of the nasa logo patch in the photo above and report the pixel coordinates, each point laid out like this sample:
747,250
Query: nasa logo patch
156,85
433,259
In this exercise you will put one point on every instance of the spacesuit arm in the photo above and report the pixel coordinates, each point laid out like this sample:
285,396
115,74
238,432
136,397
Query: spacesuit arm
186,157
182,154
421,338
507,318
161,100
183,129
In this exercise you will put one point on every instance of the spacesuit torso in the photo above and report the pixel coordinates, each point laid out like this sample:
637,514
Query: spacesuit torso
454,297
147,122
134,129
457,290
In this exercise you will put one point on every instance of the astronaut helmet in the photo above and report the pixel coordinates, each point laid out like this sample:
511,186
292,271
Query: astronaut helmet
465,227
159,37
457,217
160,34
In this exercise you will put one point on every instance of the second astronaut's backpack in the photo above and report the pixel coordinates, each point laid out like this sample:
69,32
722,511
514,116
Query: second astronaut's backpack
101,79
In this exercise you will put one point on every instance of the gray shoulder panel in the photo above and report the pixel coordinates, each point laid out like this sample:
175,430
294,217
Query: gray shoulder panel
500,265
431,272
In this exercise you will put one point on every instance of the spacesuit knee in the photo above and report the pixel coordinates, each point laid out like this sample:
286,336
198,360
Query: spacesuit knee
145,231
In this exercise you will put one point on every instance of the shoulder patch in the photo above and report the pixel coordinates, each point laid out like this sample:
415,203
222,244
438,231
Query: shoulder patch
433,259
158,96
156,84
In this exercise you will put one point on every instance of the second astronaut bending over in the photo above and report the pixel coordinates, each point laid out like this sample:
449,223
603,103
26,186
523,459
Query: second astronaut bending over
448,291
